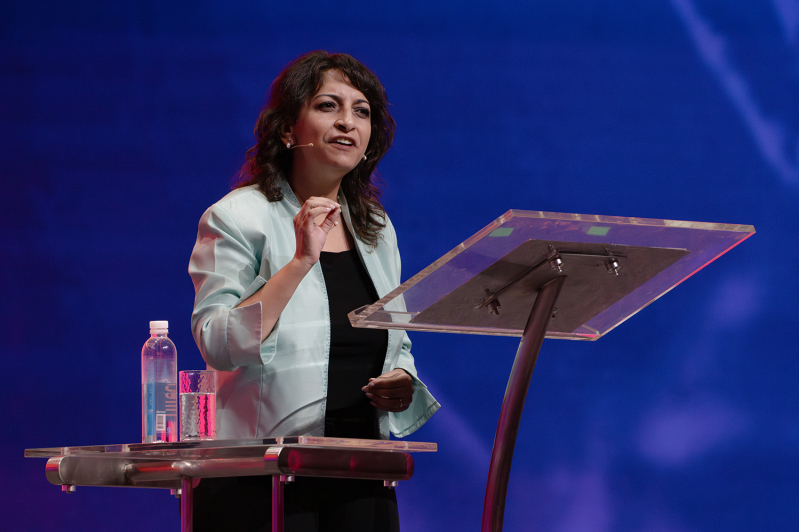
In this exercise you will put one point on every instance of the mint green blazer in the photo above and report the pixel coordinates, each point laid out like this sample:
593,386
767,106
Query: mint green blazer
278,387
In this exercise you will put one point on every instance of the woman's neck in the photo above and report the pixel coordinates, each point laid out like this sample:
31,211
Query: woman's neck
306,186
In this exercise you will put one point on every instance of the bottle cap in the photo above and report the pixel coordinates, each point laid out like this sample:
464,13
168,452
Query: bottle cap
159,326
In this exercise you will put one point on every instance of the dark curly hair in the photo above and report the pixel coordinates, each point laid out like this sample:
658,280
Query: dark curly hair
300,80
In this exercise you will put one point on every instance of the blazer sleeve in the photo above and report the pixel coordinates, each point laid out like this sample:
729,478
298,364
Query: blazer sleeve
423,405
224,269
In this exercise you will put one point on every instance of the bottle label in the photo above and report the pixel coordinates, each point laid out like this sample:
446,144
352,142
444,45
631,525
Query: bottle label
162,410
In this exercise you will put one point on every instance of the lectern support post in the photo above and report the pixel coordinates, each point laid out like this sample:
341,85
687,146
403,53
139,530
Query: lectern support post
513,404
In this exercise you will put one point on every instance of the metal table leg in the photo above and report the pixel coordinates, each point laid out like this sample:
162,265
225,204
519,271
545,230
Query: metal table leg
278,485
512,405
186,505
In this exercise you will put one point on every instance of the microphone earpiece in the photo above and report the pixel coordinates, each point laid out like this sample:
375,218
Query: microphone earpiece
310,144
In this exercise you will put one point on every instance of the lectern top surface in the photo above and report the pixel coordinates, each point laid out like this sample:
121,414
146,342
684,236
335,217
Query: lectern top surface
614,266
226,448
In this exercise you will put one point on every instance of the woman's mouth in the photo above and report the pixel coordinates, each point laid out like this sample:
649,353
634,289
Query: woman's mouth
342,141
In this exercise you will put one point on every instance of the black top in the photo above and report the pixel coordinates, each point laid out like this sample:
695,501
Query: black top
355,354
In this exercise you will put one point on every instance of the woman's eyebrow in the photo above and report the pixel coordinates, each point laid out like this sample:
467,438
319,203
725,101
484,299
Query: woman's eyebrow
338,98
334,96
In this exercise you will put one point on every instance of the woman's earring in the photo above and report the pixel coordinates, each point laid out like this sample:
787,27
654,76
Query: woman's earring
288,144
364,156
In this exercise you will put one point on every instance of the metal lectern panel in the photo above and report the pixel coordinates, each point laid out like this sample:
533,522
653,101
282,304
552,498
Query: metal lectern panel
614,267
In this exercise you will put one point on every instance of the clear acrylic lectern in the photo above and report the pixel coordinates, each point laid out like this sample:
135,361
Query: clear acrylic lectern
537,274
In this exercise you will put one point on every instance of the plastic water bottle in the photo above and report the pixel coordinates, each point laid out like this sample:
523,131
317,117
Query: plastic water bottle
159,386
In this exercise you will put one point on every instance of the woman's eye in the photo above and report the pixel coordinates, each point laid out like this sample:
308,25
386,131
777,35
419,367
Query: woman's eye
363,112
326,106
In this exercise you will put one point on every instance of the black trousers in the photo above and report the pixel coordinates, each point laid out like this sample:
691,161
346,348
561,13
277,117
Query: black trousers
243,504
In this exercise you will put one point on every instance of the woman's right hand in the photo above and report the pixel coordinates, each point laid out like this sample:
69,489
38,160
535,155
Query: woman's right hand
310,235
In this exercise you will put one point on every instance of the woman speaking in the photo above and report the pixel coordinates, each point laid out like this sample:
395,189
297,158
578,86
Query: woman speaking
278,264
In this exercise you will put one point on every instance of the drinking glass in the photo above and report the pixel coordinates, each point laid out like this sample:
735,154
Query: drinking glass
197,405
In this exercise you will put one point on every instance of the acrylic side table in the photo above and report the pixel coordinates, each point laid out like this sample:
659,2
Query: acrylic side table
178,466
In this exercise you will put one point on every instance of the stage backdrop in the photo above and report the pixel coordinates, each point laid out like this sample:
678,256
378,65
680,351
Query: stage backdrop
121,122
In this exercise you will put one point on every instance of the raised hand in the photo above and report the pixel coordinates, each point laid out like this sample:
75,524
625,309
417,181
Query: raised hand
311,226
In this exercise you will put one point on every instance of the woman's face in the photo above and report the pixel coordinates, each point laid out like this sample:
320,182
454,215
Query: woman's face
337,121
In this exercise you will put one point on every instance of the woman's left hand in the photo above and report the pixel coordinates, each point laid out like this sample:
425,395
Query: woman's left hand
392,391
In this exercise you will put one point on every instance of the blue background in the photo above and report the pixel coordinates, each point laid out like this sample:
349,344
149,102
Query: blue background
121,122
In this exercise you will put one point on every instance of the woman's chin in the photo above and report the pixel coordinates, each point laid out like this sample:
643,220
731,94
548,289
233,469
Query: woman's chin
340,164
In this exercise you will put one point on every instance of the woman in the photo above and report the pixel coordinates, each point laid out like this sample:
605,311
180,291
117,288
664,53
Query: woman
278,264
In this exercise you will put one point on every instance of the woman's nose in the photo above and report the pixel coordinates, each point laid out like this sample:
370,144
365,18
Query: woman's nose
345,122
